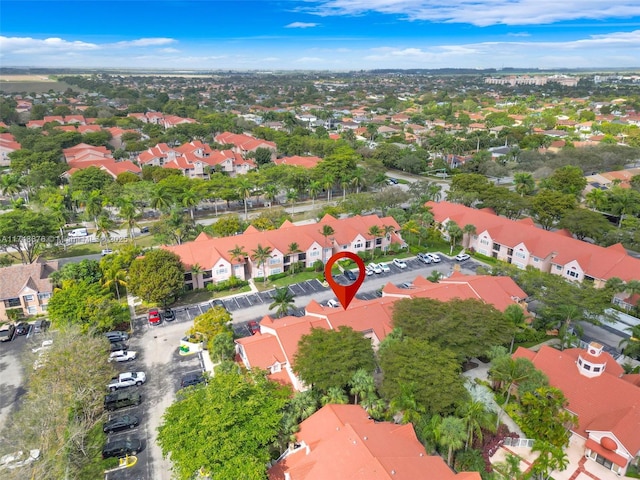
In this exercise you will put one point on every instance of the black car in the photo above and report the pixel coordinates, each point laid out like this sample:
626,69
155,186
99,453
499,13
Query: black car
144,229
216,302
116,336
7,332
121,399
169,315
115,346
22,328
191,379
120,448
350,275
123,422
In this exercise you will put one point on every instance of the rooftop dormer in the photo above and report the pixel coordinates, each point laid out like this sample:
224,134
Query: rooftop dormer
590,363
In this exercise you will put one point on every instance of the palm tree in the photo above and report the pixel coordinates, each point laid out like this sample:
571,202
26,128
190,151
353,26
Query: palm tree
114,276
190,199
376,232
18,204
405,403
271,193
508,371
245,187
435,276
516,317
292,196
596,199
327,182
260,255
510,468
468,230
358,179
344,183
196,270
237,253
294,249
631,345
93,203
524,183
313,188
326,232
476,418
282,301
454,232
362,385
129,213
160,200
334,395
452,436
11,184
622,202
412,228
104,229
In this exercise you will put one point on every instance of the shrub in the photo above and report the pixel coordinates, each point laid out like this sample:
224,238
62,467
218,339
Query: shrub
276,276
230,284
318,266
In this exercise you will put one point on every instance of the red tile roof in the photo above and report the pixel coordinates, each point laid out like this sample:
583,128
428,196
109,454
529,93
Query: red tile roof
597,262
602,403
306,162
341,442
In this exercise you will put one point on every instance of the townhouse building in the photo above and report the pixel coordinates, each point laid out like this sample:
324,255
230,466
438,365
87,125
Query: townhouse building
26,287
215,259
521,243
605,400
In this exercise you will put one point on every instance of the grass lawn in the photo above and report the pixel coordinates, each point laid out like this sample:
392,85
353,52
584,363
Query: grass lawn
286,281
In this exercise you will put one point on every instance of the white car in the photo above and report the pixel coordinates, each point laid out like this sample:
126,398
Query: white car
106,251
461,257
375,267
368,270
384,267
333,303
399,263
435,258
122,356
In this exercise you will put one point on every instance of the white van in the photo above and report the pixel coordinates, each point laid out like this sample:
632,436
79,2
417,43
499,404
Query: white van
78,232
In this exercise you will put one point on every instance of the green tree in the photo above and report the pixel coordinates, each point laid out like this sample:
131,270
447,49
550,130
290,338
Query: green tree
190,199
543,416
452,436
260,255
104,228
245,188
454,232
569,180
157,277
329,358
548,207
477,419
239,434
434,372
362,385
524,183
210,324
227,225
223,347
84,270
24,234
334,395
90,179
282,301
326,231
631,345
585,223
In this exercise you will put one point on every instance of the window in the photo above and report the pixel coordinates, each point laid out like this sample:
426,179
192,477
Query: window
573,274
44,307
43,296
188,277
558,267
586,366
484,241
510,252
274,261
378,241
302,257
344,247
220,271
315,253
208,274
580,361
358,245
32,310
12,302
520,254
29,298
496,246
367,244
536,259
596,369
276,270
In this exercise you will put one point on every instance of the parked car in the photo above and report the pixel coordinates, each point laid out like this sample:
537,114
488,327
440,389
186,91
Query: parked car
122,356
435,258
392,181
384,267
350,275
169,315
461,257
7,332
368,270
78,232
106,251
121,448
399,263
114,347
40,326
22,328
117,336
191,379
127,379
375,267
424,258
253,327
122,422
406,285
216,302
116,400
333,303
144,229
154,317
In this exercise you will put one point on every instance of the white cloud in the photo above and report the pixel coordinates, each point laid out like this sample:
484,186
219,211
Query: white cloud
168,50
144,42
301,25
518,34
482,12
28,45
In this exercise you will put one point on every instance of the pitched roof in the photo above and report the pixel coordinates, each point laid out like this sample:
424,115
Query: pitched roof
34,275
596,261
342,442
604,403
306,162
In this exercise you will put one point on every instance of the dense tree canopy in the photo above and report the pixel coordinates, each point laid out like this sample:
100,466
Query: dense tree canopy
329,358
241,418
467,328
27,232
157,277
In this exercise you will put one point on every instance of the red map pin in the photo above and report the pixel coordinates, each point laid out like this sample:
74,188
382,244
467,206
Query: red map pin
344,293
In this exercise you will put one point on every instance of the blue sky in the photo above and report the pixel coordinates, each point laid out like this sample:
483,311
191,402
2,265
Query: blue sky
320,34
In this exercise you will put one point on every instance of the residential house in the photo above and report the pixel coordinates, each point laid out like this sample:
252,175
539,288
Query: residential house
26,287
275,347
213,254
8,144
243,144
342,442
605,400
522,244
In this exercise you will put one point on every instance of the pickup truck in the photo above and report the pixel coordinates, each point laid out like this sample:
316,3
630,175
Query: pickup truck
127,379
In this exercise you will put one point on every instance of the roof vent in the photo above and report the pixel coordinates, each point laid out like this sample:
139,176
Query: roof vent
393,472
365,438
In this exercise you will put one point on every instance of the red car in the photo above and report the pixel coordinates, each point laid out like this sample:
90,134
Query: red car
154,317
253,327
